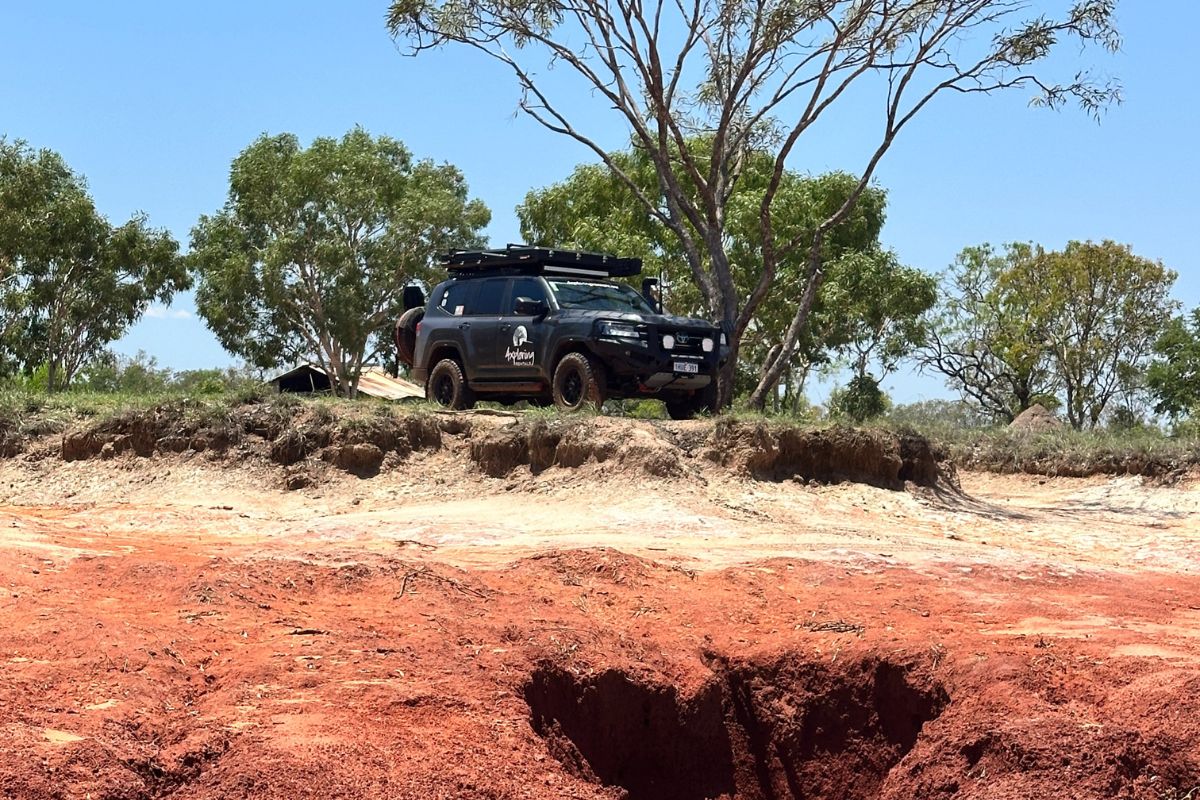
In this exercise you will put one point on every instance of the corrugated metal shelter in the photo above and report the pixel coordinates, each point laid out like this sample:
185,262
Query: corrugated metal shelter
374,382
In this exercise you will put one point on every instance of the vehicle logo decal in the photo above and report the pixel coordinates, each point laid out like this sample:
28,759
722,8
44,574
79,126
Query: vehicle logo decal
517,354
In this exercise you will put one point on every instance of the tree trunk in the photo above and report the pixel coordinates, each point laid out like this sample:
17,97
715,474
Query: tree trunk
1074,408
773,368
727,376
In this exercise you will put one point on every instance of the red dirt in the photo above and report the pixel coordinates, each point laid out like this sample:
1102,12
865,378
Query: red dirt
171,627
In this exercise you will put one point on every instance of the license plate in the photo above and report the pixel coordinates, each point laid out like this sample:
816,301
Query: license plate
687,366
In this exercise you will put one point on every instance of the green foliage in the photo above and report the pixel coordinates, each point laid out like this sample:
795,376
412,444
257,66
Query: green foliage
140,375
869,306
1174,376
36,379
1100,309
1125,445
860,400
874,309
984,339
308,257
636,409
70,283
707,90
1186,429
208,381
930,415
1028,325
1123,419
1049,402
594,210
137,375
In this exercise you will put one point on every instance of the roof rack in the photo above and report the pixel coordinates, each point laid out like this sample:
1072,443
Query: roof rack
523,259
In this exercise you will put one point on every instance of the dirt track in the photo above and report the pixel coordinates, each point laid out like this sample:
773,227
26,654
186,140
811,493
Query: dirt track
179,626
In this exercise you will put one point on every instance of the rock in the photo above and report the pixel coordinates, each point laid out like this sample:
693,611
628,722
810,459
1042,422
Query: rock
361,459
297,479
80,445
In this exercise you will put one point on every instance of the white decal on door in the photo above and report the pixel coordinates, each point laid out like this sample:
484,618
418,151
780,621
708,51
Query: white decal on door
517,354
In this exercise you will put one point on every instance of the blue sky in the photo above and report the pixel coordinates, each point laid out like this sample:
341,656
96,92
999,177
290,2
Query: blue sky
151,101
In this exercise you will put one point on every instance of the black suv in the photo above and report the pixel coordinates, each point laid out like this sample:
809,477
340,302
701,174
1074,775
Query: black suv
542,325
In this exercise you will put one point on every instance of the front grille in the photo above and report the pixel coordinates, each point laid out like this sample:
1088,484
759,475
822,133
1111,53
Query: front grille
687,342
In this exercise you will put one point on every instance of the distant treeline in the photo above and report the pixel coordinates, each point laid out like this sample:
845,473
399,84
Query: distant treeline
306,260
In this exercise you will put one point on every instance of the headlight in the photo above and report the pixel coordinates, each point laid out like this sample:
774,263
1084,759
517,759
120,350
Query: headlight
706,345
668,342
618,330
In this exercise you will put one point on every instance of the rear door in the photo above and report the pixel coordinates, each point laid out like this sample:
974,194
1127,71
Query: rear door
522,338
443,324
481,328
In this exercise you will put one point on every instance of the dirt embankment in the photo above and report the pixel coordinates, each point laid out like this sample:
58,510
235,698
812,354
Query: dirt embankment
307,440
460,626
172,671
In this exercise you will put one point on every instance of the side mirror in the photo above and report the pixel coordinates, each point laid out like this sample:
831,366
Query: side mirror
526,307
650,291
413,297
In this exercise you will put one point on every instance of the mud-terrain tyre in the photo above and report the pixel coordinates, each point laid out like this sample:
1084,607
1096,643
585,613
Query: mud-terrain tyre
447,386
405,335
680,407
578,383
704,401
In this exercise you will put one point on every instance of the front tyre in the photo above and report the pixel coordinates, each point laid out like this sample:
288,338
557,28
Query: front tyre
447,386
578,383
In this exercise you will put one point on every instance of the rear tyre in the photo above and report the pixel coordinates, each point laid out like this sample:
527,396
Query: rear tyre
702,401
405,335
578,383
707,399
680,407
447,386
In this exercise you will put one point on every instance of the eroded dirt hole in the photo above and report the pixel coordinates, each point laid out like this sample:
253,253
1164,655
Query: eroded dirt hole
785,729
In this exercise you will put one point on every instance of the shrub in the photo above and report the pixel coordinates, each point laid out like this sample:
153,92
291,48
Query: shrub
860,400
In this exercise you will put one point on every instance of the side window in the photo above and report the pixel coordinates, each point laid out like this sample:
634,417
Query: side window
525,287
489,298
456,297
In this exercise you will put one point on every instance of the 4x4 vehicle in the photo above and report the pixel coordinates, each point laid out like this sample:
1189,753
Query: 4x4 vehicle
529,323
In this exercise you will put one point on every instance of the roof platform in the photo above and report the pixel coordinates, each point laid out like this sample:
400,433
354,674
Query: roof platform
519,259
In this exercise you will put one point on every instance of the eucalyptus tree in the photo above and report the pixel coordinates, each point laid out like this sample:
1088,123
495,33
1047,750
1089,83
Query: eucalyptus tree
308,257
593,209
747,75
71,283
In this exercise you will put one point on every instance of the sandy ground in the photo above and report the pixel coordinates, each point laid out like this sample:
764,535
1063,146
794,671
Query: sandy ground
182,627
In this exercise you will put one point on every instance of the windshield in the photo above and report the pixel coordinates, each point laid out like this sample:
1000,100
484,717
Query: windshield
599,296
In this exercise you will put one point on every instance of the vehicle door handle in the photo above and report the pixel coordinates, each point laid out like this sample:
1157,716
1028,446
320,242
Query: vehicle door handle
462,326
507,326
